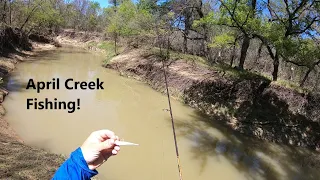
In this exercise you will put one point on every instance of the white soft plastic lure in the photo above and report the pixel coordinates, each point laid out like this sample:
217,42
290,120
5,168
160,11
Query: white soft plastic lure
124,143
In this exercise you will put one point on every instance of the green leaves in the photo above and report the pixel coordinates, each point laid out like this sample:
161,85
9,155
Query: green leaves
223,40
127,20
301,51
210,19
240,15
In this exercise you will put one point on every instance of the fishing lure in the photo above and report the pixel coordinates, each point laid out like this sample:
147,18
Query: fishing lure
124,143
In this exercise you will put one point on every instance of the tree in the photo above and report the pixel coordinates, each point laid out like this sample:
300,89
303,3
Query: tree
114,22
257,33
92,15
291,20
241,15
126,20
303,52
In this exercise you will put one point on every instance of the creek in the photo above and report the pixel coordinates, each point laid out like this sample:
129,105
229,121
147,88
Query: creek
136,113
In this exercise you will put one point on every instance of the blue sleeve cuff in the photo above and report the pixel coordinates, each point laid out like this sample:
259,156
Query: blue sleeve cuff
75,168
77,158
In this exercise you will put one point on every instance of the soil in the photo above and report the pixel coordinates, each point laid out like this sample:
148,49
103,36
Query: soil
78,38
251,105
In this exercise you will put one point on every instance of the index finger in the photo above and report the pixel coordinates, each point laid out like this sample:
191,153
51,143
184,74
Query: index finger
105,134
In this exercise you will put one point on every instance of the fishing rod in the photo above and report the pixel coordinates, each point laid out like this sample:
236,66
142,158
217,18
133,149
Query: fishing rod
171,116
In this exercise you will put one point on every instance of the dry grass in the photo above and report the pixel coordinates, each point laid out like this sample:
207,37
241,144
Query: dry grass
18,161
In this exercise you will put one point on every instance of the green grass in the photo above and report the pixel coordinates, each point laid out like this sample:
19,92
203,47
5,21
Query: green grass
291,85
223,68
108,48
245,74
106,45
109,56
238,74
92,44
174,55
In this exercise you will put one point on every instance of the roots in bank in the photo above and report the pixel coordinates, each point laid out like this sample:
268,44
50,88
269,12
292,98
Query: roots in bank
71,106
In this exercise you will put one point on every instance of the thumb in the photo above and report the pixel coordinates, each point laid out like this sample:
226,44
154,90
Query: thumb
108,144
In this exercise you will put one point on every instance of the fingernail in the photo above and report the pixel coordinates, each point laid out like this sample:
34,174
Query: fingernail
114,152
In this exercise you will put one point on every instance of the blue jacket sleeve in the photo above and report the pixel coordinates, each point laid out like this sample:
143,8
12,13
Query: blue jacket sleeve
75,168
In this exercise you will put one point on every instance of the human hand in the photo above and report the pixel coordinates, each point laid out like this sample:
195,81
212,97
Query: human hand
98,147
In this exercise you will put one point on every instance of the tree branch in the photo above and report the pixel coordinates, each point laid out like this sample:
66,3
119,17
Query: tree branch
233,18
295,63
273,14
315,19
301,5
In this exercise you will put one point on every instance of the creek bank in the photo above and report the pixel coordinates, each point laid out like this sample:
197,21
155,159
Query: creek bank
252,105
85,40
17,160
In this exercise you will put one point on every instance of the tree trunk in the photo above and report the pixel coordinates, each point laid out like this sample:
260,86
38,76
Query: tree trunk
305,77
187,26
10,13
185,42
233,54
201,14
28,17
115,34
275,67
308,73
316,85
4,12
168,49
246,40
275,58
244,50
259,53
115,43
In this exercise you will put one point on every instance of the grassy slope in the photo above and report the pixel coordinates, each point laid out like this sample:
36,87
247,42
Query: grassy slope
224,69
230,71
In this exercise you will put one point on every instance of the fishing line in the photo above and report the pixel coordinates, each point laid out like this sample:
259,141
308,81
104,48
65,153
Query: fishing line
172,121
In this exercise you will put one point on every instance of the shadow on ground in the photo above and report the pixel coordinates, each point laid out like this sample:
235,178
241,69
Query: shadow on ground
255,159
255,108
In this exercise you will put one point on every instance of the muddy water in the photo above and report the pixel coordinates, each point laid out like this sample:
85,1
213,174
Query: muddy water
135,112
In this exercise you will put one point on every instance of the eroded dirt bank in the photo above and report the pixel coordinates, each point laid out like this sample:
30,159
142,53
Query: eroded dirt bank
17,160
251,105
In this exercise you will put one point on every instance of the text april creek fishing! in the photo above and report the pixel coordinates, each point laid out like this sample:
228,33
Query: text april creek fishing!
54,104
